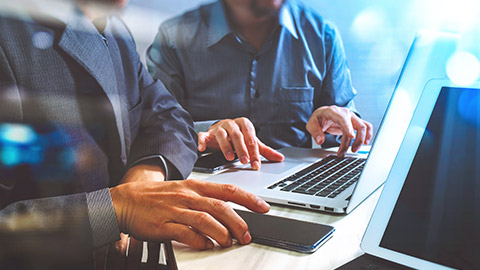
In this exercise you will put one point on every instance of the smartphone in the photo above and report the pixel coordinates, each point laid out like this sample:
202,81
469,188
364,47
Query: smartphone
212,162
291,234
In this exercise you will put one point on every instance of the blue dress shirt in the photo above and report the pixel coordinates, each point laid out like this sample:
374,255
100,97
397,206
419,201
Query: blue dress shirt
215,74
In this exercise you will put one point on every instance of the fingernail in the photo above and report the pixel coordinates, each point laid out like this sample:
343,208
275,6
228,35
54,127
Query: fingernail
318,139
247,237
244,159
230,155
256,165
209,245
263,204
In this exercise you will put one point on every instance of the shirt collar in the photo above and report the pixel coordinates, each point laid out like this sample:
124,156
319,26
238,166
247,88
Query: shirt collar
286,20
218,26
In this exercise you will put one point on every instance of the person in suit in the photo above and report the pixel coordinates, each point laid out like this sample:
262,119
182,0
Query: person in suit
72,66
256,74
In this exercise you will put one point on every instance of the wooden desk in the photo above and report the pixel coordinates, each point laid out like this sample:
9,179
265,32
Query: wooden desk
341,248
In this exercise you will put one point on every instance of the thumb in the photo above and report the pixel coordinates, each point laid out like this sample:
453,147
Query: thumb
318,134
316,129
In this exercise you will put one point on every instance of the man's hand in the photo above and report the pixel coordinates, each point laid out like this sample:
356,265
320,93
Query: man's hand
187,211
240,133
339,121
115,256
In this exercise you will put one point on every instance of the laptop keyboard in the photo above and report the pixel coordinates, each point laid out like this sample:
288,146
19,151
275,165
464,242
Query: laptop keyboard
325,178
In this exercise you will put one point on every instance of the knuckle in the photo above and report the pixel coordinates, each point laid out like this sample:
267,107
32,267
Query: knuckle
236,135
242,226
231,124
229,188
221,206
202,218
243,120
221,132
191,182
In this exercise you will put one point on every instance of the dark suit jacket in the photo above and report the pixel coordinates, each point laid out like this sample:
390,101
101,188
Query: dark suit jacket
97,90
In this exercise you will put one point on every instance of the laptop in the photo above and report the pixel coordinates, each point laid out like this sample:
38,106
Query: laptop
428,215
316,179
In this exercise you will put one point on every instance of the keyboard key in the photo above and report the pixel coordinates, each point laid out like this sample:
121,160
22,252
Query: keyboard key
327,177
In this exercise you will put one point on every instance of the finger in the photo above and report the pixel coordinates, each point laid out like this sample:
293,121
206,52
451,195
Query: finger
227,192
135,250
269,153
221,211
345,123
117,253
237,139
250,139
361,129
369,136
202,141
344,146
153,255
221,136
204,223
186,235
315,129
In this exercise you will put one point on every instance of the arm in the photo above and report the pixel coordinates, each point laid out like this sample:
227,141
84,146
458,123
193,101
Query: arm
165,129
339,116
46,226
225,135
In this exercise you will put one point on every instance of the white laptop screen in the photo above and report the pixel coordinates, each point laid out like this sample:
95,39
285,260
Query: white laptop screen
437,214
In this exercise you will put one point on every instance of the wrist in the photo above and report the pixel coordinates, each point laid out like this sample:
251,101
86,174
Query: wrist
116,194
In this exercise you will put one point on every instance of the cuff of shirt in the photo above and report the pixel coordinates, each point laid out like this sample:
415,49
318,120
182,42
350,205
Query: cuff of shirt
203,126
103,219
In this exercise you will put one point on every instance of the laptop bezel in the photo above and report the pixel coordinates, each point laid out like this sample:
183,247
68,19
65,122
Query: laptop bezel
393,186
419,68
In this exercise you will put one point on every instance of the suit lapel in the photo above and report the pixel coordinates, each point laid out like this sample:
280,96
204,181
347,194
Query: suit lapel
84,44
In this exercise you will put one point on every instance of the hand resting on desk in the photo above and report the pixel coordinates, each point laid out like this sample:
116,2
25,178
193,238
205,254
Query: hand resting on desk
186,211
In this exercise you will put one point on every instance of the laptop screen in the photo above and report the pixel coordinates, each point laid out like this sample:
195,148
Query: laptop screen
437,215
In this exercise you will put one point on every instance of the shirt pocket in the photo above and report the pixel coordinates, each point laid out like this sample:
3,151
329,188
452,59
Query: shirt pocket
296,104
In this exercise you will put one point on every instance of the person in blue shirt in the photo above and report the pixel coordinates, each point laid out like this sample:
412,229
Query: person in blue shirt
254,73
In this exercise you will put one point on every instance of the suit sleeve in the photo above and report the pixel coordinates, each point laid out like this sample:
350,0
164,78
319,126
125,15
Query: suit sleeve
165,129
10,105
46,226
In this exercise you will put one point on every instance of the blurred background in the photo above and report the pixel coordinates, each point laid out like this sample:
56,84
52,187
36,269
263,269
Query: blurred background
376,33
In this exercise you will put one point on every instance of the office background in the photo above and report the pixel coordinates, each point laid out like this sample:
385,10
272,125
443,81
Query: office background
376,33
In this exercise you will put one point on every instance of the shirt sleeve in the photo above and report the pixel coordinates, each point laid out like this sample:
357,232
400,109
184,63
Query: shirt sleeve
203,126
102,217
163,64
337,87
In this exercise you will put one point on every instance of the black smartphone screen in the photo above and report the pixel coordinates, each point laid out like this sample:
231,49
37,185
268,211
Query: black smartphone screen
212,162
286,233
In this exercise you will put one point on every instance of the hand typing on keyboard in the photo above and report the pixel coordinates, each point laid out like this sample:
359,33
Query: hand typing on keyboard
340,121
